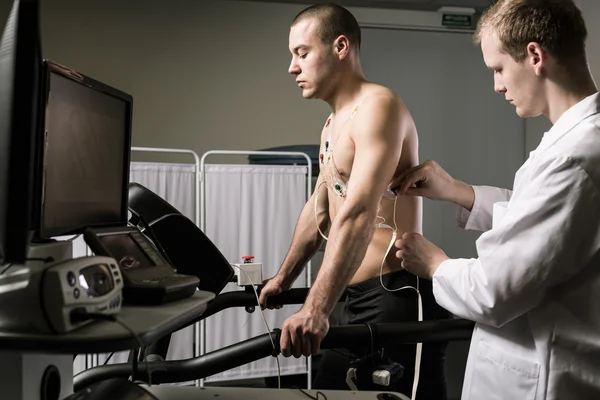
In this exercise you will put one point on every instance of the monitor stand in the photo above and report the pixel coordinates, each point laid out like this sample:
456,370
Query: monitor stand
34,355
20,308
57,250
36,376
25,375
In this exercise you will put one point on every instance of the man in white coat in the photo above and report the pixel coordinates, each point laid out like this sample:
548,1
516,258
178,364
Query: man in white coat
534,290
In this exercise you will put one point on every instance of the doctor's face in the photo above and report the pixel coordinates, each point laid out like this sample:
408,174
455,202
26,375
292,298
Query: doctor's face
517,81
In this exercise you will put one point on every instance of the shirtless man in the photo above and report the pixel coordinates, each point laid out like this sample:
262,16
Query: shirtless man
369,138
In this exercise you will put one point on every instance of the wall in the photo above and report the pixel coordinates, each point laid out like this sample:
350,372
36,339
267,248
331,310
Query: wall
591,13
204,75
213,74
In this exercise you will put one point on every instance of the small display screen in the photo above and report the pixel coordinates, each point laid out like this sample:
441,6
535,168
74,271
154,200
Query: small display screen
126,251
97,280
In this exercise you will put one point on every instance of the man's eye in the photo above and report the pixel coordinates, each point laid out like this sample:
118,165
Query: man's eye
303,55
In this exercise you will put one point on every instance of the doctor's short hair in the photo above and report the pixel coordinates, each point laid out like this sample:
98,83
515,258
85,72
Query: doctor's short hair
334,21
556,25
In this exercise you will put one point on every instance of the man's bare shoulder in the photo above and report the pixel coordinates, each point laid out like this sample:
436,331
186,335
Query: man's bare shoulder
386,93
392,102
383,102
375,92
381,106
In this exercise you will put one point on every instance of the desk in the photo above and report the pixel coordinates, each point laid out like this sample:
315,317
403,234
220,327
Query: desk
148,322
26,355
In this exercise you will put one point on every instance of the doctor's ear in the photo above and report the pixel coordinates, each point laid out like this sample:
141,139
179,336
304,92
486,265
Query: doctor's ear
537,57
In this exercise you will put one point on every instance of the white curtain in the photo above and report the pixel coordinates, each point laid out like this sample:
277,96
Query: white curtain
252,210
173,182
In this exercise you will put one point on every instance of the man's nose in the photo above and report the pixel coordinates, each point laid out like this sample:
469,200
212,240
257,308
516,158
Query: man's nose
294,69
499,86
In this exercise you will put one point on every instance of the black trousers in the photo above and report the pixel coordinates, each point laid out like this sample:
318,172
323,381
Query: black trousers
369,302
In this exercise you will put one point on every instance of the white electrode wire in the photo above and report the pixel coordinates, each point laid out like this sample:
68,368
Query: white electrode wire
266,324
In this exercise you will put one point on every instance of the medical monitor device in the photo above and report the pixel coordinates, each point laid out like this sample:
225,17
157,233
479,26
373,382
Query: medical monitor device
20,68
149,278
74,288
86,153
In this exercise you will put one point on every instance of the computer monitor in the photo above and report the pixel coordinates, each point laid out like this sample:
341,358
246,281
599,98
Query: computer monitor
20,69
86,153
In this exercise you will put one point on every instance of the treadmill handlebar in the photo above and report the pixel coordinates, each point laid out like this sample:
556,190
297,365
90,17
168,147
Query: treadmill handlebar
185,370
268,345
247,298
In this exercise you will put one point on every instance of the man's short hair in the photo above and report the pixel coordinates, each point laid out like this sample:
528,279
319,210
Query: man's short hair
556,25
334,20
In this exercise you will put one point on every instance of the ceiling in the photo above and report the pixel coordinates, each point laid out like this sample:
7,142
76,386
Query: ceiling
425,5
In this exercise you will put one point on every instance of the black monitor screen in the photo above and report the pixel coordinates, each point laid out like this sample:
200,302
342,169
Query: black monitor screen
86,155
20,70
126,251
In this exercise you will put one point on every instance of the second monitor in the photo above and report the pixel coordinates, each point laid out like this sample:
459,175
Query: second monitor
85,155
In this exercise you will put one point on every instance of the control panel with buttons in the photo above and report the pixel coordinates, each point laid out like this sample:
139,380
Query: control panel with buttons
90,285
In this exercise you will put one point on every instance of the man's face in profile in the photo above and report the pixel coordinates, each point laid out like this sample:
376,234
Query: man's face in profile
311,58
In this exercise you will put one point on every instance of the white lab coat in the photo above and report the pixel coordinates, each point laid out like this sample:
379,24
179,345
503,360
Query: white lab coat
534,291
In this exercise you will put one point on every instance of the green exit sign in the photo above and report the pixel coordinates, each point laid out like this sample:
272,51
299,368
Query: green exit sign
457,20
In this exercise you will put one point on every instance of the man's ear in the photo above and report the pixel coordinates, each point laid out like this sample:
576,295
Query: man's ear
537,57
341,47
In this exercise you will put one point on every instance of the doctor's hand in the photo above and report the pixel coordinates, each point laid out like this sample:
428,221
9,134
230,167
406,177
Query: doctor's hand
418,255
302,333
432,181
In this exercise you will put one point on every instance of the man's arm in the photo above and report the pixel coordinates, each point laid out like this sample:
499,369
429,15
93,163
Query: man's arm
378,146
307,239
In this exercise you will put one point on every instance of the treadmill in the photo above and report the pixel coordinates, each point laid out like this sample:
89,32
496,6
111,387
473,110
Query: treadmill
143,379
153,377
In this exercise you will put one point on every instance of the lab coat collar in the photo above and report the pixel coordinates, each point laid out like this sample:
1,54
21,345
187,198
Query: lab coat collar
569,119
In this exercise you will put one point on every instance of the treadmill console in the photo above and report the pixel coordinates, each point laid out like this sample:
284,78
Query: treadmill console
148,277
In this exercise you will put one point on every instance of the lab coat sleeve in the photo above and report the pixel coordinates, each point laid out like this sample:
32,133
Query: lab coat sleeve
480,216
548,234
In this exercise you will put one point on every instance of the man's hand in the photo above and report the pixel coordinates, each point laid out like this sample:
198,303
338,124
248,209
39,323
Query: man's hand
302,333
432,181
272,287
419,256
